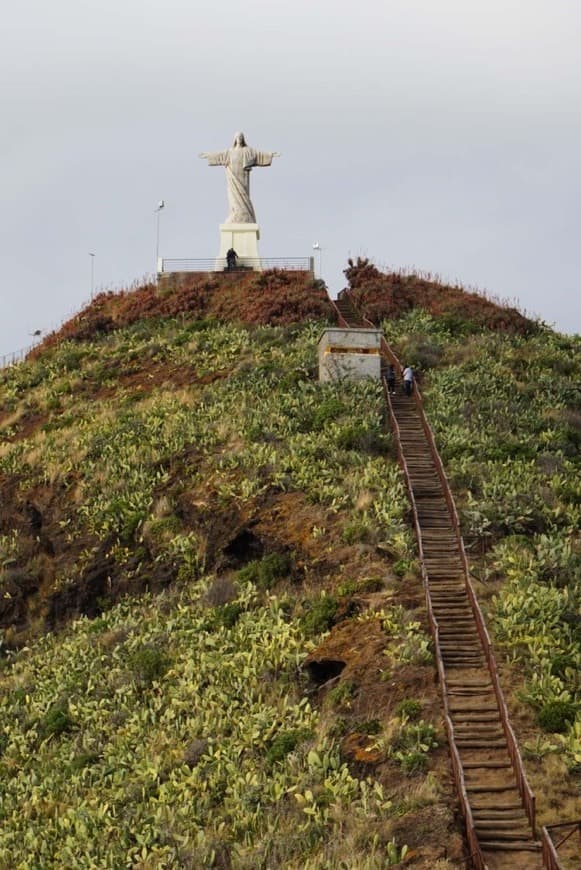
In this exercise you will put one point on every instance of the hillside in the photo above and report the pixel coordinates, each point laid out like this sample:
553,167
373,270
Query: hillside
216,644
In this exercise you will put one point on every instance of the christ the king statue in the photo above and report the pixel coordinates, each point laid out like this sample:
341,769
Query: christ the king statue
239,160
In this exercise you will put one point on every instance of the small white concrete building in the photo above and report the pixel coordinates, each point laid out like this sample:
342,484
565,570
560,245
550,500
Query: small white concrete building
353,354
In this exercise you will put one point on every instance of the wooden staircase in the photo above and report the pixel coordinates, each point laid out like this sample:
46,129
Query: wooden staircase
496,801
500,821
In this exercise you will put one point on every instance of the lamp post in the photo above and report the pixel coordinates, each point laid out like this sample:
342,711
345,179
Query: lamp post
92,256
157,212
317,247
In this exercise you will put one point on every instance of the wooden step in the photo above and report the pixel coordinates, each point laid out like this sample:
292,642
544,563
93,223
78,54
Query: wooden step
478,718
475,807
508,825
516,813
464,727
456,710
463,660
458,693
516,846
462,684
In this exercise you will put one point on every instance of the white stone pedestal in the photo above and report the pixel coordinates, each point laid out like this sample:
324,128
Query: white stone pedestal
244,239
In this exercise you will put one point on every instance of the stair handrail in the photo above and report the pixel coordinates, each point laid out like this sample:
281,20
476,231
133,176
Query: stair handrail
550,849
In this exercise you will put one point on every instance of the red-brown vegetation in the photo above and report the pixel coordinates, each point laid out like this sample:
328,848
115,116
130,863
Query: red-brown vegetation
275,297
380,296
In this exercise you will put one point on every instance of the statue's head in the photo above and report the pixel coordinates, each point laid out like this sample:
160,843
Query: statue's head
239,140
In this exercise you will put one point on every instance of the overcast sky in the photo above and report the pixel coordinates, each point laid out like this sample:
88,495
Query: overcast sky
443,135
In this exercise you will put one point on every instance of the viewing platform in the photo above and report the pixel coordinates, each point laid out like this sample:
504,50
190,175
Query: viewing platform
170,273
220,264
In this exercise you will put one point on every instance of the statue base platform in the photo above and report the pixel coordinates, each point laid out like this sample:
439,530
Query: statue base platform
244,239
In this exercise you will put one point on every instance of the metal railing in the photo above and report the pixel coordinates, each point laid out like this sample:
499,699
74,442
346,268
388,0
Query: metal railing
220,264
550,856
17,356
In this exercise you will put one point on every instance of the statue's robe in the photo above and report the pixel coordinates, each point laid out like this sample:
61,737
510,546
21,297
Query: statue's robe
239,161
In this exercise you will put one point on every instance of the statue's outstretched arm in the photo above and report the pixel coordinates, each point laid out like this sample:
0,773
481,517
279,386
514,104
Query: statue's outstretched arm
215,158
265,158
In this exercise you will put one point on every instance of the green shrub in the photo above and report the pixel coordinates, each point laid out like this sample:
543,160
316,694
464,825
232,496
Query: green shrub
265,572
284,743
556,716
341,693
339,728
148,663
412,744
83,760
273,567
360,587
320,614
413,762
409,708
357,532
226,615
425,352
98,625
314,419
402,567
457,325
420,735
561,663
356,436
328,409
370,726
351,436
57,720
395,854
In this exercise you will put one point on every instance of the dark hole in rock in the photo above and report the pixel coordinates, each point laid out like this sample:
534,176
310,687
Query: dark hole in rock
244,548
325,670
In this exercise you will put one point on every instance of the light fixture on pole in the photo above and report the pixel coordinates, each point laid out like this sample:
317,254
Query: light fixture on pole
160,206
317,247
92,256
